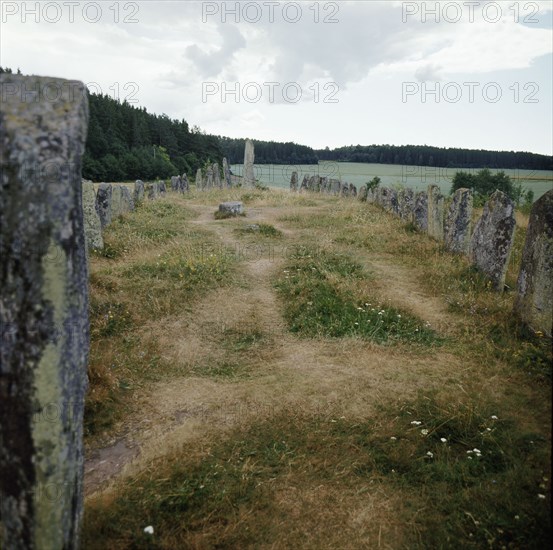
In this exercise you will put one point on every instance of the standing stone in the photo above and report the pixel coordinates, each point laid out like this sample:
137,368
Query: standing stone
305,183
370,195
353,190
249,157
199,180
534,301
209,178
226,173
161,187
43,311
324,185
152,190
217,177
435,213
420,211
184,184
103,203
138,195
493,237
363,193
458,222
175,183
336,186
294,182
121,201
311,183
91,219
406,204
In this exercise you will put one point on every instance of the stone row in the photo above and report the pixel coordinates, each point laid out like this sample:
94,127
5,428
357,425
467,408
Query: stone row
488,245
212,177
320,184
105,202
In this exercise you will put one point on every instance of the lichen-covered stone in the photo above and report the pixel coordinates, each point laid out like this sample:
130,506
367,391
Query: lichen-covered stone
121,201
103,203
305,183
249,158
420,211
362,196
152,190
199,180
217,177
335,186
534,301
43,311
458,222
91,219
138,194
406,204
175,183
294,182
184,186
493,237
435,213
162,187
233,208
227,174
208,184
324,185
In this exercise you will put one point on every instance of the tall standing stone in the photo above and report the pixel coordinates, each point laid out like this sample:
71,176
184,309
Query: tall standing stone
199,180
103,203
138,194
184,184
406,204
352,190
420,211
175,183
161,187
121,201
493,237
305,183
249,157
458,222
435,213
91,219
209,178
226,173
294,182
534,301
217,177
43,311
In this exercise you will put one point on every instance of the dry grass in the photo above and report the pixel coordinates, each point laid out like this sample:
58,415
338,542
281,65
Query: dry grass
251,436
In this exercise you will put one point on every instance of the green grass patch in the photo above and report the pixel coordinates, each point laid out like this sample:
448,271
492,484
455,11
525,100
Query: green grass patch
317,303
153,223
263,229
466,478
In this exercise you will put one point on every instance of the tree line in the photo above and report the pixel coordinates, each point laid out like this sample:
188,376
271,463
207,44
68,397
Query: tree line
126,142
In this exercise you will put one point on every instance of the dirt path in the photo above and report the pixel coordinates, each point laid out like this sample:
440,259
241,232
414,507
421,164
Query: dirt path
283,373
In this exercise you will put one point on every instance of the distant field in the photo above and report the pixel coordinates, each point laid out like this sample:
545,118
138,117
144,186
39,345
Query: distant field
416,177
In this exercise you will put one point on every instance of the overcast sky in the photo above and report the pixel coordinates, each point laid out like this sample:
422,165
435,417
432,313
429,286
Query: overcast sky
317,73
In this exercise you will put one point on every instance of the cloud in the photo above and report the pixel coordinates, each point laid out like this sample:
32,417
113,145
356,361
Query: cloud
213,63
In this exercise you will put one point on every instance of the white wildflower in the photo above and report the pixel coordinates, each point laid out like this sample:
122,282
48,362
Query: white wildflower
149,530
541,497
416,422
430,454
443,439
424,431
494,417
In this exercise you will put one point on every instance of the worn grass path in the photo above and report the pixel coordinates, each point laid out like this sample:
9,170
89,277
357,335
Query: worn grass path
237,366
